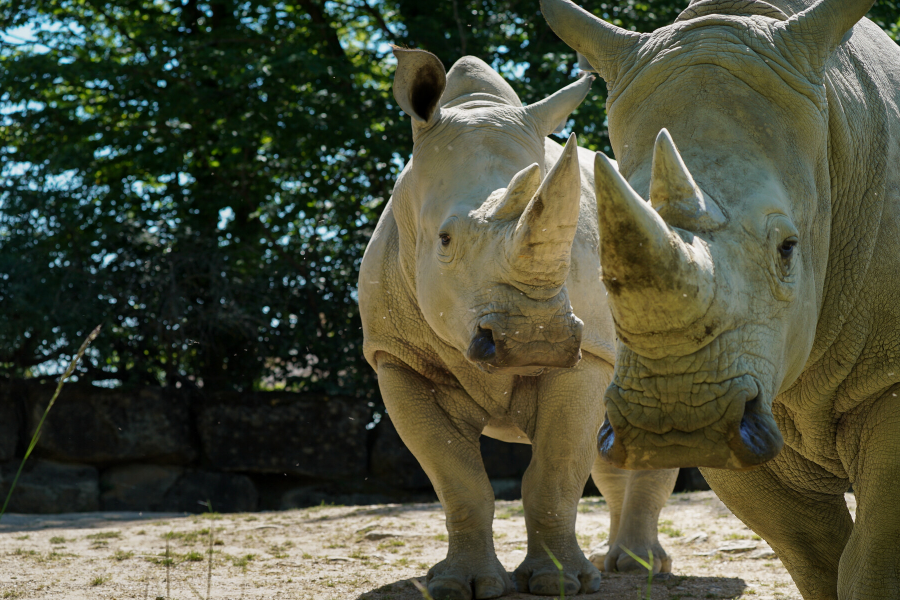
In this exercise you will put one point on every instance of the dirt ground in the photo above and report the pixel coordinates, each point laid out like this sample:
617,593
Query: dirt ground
349,553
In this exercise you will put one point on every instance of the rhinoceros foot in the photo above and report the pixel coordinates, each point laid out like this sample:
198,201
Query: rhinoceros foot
454,581
618,561
540,576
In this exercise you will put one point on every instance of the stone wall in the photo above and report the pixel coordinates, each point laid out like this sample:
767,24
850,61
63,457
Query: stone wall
158,449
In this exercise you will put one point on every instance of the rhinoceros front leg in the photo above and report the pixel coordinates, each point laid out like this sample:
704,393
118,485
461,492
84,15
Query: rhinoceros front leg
563,449
635,499
799,509
870,564
439,426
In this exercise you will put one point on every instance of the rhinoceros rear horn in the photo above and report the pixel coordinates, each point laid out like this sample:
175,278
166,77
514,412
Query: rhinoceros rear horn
542,244
602,43
553,110
820,29
674,193
419,81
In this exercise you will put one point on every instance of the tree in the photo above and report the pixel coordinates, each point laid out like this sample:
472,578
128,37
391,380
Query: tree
202,177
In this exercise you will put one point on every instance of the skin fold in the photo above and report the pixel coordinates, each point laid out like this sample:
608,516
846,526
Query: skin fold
483,314
754,238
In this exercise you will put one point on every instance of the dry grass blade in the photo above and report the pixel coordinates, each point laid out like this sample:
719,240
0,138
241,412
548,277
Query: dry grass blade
422,589
37,432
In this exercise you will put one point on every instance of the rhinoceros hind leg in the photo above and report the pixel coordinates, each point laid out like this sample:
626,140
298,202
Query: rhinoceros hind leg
635,499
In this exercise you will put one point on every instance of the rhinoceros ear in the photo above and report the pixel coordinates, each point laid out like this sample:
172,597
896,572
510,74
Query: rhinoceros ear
419,81
815,33
551,112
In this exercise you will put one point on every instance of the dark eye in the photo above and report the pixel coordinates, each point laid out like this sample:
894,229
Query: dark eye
445,239
786,249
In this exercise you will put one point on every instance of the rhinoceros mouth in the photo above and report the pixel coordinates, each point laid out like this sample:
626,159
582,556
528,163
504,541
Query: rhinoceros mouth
745,437
526,349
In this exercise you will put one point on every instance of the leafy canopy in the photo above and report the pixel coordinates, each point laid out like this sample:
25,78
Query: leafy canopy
202,177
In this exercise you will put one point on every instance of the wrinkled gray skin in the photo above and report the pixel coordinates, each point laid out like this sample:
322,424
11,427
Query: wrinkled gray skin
469,291
756,292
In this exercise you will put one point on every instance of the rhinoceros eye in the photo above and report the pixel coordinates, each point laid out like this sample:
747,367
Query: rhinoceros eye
445,239
786,249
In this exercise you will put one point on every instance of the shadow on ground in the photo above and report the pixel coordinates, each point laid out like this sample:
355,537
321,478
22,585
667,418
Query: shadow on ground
613,587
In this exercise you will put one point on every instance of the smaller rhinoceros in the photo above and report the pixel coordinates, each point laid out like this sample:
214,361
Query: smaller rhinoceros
469,291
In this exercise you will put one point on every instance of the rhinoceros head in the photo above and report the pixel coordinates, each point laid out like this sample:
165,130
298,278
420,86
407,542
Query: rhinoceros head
486,228
714,256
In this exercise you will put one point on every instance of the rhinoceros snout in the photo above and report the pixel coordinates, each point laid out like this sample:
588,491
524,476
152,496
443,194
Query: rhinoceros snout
482,349
746,438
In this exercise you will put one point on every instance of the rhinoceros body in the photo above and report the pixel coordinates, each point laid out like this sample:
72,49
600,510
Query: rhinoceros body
757,295
478,292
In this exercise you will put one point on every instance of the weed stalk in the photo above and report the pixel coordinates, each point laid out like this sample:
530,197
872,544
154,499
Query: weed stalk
645,564
37,432
559,567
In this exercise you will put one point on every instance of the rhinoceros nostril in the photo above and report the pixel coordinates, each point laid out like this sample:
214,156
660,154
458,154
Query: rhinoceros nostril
759,434
482,348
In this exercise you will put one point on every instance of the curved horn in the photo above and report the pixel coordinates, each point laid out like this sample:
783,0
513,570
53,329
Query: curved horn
553,110
542,243
820,29
518,194
674,193
656,281
602,43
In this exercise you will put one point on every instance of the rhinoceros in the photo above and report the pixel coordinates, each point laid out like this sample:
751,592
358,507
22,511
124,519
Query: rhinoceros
483,314
752,269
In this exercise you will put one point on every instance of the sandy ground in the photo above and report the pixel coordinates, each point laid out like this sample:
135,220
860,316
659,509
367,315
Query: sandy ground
355,553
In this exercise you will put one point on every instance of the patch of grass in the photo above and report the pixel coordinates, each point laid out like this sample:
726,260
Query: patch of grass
736,536
99,580
242,561
193,556
58,540
122,555
441,537
666,527
13,594
23,537
188,537
306,555
23,552
105,535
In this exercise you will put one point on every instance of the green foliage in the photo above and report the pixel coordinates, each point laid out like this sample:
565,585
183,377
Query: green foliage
202,177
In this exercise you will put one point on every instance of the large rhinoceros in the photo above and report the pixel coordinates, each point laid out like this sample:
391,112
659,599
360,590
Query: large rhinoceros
469,291
757,293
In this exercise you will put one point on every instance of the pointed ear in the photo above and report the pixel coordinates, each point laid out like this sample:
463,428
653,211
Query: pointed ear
816,32
419,81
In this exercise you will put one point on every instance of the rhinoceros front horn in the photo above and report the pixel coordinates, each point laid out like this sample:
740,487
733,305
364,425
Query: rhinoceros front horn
542,244
602,43
656,281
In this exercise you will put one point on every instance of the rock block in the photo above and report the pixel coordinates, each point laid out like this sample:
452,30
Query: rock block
9,420
392,462
228,492
47,487
103,427
503,460
174,489
279,432
137,487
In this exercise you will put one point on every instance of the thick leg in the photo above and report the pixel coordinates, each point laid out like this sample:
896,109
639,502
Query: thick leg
870,565
563,447
437,424
635,499
799,509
